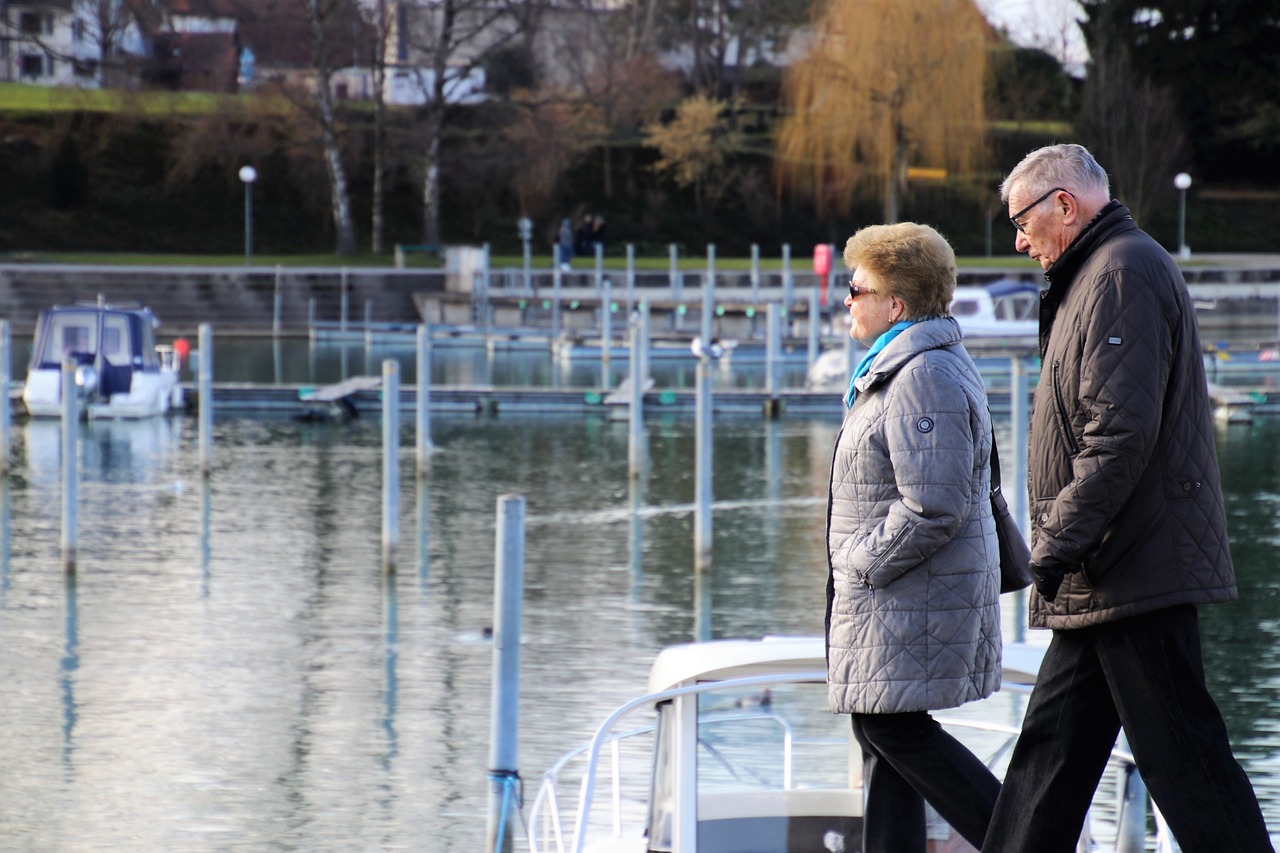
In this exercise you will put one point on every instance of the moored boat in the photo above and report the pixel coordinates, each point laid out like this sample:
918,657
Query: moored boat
120,372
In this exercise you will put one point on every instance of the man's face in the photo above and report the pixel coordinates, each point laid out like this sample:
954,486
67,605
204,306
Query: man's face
1040,221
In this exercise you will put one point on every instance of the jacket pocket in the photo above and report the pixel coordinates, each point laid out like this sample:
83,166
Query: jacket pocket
1060,406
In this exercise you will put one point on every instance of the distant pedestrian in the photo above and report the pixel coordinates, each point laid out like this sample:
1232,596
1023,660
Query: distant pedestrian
597,233
582,238
564,244
1129,531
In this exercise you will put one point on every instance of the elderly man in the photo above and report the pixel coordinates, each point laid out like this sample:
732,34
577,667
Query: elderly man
1129,532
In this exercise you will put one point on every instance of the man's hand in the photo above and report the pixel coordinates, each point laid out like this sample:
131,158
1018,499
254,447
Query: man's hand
1048,579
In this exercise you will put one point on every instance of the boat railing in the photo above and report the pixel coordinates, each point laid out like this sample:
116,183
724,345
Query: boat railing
546,825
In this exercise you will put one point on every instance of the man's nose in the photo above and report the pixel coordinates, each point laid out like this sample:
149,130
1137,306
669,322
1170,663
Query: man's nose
1021,243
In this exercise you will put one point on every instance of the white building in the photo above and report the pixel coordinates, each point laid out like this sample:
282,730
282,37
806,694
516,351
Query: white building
68,42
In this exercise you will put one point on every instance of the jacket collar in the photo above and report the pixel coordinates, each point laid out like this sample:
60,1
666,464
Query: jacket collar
934,333
1113,219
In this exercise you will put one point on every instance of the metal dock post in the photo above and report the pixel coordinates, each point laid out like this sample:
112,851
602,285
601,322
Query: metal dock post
504,779
70,464
390,462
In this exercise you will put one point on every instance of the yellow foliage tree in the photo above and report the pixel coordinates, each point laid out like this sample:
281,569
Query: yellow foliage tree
887,84
694,145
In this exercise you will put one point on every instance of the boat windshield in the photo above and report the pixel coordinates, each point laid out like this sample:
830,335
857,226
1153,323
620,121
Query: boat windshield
68,333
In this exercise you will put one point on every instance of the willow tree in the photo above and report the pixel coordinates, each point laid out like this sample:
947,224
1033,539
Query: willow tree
887,85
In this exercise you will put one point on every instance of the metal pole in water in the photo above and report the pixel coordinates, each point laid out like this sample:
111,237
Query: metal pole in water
556,280
815,326
606,328
205,394
342,320
787,292
6,379
644,341
702,453
423,446
1017,498
504,779
368,324
277,303
771,349
390,462
635,454
70,463
709,297
755,272
631,277
599,247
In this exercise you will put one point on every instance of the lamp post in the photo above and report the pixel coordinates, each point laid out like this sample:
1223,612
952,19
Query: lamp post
248,175
1182,180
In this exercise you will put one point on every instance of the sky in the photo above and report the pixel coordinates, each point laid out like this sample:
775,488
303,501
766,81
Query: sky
1046,24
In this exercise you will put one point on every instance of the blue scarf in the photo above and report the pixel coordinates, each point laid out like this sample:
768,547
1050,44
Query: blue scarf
864,366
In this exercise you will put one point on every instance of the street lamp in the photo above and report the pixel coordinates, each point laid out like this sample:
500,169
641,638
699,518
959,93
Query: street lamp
1182,180
248,175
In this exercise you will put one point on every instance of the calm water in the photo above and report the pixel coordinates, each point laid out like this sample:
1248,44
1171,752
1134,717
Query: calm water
229,670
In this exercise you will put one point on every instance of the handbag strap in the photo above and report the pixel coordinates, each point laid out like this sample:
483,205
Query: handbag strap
995,464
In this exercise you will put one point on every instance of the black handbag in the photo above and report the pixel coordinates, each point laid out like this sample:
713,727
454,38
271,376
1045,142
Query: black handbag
1015,554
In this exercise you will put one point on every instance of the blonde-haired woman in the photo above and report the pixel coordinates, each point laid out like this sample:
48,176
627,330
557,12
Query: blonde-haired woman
913,621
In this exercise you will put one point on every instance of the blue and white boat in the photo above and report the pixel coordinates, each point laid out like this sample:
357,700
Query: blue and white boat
120,372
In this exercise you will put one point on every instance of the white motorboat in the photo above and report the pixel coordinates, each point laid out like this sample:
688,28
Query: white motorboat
1003,316
120,372
735,751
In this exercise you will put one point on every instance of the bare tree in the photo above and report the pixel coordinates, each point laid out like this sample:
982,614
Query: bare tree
1132,126
379,13
598,62
319,12
887,84
444,45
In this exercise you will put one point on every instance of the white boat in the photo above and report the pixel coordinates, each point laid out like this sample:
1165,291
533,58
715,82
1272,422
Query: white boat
120,372
1003,315
736,752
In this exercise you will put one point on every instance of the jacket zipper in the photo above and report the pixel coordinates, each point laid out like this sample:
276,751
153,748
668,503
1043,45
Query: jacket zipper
1062,411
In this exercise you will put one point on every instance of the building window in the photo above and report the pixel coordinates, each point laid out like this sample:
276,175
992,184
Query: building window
31,66
77,31
29,24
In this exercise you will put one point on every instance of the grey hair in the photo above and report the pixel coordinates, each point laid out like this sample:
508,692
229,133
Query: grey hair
1069,166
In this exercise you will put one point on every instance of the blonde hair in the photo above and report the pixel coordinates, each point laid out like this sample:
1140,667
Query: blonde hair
914,263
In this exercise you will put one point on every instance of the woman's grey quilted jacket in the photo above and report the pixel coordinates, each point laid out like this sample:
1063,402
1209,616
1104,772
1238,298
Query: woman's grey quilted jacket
913,618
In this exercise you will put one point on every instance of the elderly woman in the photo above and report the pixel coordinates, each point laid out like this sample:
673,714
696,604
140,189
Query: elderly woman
913,622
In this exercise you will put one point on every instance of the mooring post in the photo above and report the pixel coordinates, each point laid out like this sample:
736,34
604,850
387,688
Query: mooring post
787,285
606,328
631,277
504,779
390,462
557,276
644,341
635,435
6,379
70,463
205,394
277,303
709,298
1017,496
599,266
423,402
755,273
815,326
342,319
702,454
773,345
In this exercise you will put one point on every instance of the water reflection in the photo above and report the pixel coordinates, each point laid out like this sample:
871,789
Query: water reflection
231,670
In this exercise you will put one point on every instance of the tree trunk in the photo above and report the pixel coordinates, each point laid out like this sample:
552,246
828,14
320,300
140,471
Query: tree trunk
340,201
431,179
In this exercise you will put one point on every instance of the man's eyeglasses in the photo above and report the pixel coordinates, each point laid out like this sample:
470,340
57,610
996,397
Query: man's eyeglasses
855,291
1021,213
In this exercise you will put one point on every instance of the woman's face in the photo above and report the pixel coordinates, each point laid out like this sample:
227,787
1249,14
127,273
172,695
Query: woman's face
871,311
